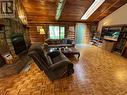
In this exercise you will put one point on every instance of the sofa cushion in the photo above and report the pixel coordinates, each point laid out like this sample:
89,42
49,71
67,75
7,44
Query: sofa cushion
60,58
65,41
53,53
59,41
57,59
54,41
69,41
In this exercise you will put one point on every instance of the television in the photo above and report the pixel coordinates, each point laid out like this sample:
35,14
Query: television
112,34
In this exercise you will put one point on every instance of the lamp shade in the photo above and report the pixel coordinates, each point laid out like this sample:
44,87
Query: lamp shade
38,28
42,31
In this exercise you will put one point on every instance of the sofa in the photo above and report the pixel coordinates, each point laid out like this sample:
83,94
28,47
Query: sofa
60,42
54,64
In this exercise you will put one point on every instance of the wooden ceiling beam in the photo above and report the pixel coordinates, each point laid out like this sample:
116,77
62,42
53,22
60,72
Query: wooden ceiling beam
60,6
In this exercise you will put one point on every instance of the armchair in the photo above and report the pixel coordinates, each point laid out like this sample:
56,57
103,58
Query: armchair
54,64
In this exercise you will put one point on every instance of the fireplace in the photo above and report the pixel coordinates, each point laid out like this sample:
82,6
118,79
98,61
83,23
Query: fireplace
18,43
2,61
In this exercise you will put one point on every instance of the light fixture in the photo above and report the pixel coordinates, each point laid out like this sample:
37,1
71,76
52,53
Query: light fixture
23,19
38,28
96,4
105,23
42,31
22,16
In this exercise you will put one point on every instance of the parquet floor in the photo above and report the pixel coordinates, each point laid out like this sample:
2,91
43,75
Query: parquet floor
98,72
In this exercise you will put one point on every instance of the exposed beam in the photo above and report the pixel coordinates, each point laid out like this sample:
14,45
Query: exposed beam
59,9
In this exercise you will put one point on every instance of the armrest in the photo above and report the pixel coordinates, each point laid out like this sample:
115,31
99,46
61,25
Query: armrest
53,54
58,65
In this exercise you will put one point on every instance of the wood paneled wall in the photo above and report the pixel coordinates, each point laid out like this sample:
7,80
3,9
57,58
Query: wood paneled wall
71,33
35,36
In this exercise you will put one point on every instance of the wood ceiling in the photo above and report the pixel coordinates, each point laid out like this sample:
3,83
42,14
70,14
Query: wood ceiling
44,11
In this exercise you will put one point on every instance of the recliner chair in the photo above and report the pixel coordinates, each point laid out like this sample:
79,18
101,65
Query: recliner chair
54,64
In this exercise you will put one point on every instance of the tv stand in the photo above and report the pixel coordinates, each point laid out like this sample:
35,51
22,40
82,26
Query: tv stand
109,33
108,45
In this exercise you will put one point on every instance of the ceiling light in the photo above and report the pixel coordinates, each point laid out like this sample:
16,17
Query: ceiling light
96,4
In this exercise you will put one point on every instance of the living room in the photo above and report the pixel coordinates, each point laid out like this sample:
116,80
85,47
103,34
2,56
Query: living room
63,47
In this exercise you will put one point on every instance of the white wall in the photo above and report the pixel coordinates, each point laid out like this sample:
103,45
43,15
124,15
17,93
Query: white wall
116,18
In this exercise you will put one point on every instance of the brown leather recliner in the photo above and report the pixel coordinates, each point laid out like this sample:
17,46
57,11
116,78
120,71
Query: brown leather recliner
54,64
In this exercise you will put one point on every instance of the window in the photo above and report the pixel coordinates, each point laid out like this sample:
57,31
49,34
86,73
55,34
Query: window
56,32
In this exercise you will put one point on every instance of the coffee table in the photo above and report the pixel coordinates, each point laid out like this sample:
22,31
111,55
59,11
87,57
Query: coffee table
70,51
67,51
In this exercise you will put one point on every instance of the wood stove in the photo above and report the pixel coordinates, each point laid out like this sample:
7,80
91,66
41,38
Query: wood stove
2,61
18,43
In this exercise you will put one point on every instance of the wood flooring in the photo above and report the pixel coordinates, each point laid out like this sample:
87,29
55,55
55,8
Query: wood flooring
19,63
97,72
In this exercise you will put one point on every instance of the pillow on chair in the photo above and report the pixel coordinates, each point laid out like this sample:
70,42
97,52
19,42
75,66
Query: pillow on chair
53,53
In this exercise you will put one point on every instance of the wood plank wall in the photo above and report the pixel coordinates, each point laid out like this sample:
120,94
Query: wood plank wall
71,33
36,37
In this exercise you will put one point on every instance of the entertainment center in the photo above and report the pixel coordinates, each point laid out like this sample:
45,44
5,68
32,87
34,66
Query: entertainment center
115,38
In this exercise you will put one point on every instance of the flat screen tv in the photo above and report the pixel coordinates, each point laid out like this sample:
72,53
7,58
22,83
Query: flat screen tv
112,35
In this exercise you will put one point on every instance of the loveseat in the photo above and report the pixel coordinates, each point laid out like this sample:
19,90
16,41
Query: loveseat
60,42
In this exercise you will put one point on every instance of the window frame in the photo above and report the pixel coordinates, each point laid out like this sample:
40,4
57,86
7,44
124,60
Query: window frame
59,31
